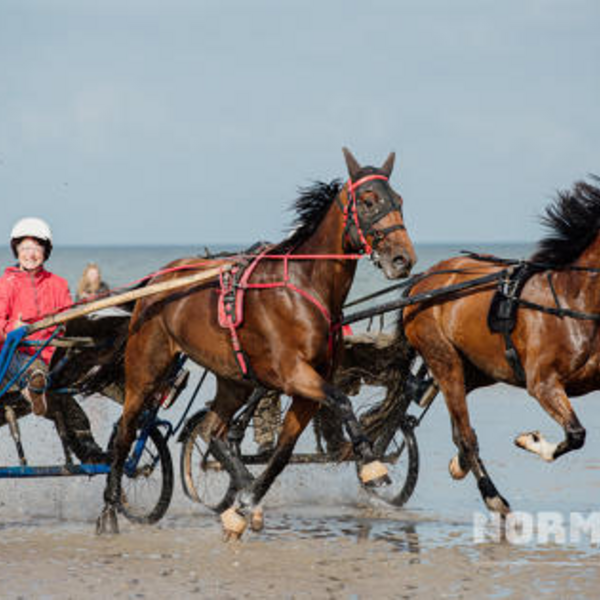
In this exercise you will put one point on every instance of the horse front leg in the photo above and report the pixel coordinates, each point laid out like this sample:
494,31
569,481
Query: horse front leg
247,504
553,399
107,521
447,368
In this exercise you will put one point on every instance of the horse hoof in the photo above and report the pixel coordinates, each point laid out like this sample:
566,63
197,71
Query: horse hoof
257,520
456,471
534,442
374,474
107,522
234,524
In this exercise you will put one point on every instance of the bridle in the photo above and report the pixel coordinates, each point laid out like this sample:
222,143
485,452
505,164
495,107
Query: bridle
358,227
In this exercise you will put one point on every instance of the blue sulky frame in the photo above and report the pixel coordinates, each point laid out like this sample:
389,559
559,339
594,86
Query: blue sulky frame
13,340
149,422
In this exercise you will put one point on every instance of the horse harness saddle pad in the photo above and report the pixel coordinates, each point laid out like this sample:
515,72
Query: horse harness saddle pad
233,284
502,315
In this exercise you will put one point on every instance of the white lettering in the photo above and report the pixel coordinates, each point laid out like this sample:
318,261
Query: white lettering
551,525
519,527
590,525
486,527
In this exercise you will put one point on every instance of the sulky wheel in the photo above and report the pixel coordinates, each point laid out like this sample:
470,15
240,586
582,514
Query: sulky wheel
147,489
204,479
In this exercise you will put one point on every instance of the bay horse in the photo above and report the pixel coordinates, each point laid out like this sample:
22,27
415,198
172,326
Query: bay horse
292,309
555,339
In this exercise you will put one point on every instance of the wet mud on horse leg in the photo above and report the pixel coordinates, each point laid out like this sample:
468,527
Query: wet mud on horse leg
554,400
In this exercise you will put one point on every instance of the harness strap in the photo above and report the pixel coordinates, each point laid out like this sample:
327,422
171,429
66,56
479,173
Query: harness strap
560,312
232,323
513,359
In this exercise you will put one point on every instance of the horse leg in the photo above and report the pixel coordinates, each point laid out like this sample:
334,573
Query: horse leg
304,381
447,368
107,521
553,399
372,472
230,396
148,357
459,466
248,499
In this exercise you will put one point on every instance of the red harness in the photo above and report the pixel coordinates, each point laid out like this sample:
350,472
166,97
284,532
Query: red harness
232,290
236,281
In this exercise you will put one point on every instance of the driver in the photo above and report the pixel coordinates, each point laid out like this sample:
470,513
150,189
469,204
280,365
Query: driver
28,292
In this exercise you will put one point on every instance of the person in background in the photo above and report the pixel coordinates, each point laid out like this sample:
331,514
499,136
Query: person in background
91,283
28,292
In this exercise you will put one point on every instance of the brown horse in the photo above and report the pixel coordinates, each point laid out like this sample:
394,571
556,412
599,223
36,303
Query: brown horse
555,336
286,340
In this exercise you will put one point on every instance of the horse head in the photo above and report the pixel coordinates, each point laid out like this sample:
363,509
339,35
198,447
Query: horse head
374,220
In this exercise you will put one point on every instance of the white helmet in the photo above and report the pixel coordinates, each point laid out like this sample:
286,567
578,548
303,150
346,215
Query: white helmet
34,228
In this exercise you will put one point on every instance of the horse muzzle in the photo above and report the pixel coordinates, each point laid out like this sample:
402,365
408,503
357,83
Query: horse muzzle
394,267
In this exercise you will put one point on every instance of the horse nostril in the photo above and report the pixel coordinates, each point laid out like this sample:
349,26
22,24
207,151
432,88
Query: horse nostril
400,262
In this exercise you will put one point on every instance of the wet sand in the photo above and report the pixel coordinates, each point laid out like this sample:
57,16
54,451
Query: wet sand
184,559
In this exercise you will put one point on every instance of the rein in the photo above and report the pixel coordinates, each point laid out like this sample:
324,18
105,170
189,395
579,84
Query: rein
558,310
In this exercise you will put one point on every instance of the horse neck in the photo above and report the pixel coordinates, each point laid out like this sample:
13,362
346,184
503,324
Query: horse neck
584,286
330,278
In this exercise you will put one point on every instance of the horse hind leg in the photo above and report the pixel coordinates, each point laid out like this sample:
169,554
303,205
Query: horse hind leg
307,383
459,466
107,521
148,357
554,401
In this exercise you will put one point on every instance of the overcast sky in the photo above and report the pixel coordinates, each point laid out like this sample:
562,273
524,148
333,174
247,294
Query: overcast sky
193,122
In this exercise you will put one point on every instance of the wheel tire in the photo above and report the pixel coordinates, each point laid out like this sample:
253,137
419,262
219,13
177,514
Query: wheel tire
146,496
203,478
402,460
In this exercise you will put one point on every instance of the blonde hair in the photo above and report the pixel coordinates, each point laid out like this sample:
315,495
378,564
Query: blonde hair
85,287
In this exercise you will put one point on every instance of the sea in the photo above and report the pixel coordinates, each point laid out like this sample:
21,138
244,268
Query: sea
440,512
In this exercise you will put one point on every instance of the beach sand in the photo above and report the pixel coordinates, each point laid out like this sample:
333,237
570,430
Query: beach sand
184,558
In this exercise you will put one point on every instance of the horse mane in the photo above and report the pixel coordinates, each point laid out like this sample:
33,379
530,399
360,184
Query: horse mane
573,219
310,207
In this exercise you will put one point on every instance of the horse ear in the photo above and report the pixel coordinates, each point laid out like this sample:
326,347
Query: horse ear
351,163
388,165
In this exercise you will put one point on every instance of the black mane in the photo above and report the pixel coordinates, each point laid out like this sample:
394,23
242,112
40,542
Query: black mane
573,219
311,208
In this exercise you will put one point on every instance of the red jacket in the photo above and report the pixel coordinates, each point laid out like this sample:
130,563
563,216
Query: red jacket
28,297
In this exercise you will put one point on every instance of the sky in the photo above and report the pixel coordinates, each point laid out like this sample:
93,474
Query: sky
196,121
